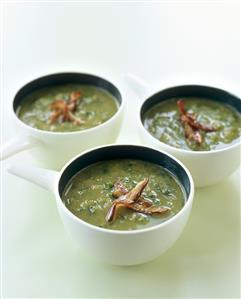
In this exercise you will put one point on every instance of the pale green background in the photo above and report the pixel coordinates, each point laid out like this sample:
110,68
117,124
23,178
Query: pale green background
166,43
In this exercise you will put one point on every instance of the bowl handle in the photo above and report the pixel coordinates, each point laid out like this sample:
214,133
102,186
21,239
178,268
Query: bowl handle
17,144
137,85
45,178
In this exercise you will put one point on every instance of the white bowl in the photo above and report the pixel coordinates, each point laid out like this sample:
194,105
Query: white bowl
54,149
206,167
111,246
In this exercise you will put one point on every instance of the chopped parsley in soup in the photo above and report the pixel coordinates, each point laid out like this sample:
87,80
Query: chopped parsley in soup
192,123
124,194
67,108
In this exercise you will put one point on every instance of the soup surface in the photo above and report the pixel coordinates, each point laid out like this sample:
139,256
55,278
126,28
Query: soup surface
93,106
89,194
164,123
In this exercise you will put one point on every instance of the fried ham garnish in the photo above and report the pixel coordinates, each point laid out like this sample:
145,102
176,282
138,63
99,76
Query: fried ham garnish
132,200
190,124
64,110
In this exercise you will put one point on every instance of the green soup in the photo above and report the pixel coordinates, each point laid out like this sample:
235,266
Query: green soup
95,106
89,193
163,122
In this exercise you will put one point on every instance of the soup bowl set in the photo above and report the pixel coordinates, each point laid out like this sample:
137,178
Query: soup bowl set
73,151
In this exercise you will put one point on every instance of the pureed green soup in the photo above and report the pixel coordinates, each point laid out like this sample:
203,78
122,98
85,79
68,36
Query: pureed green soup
222,123
67,108
90,193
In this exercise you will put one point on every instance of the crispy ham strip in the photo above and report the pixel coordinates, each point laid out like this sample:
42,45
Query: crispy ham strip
190,132
190,124
139,207
64,110
120,189
132,200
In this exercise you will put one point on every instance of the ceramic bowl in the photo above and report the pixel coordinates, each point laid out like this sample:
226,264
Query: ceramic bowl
206,167
56,148
112,246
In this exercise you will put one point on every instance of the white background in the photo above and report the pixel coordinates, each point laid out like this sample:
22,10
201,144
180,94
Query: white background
165,42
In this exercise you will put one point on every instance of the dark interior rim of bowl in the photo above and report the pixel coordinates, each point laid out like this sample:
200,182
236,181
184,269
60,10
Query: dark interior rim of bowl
125,152
65,78
211,93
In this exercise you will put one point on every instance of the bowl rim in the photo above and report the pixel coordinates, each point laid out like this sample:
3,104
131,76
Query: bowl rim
120,107
180,150
187,205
